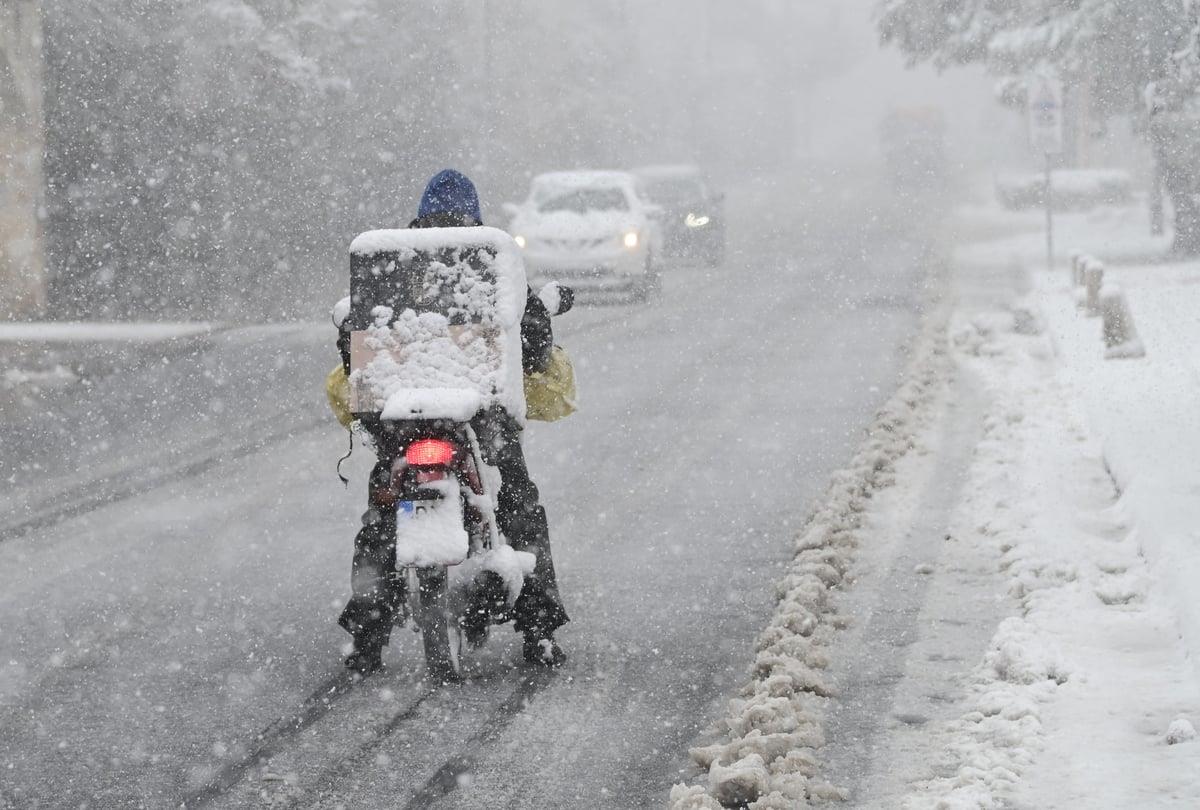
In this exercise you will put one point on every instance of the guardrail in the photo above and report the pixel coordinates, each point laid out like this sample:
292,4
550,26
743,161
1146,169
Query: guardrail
1108,302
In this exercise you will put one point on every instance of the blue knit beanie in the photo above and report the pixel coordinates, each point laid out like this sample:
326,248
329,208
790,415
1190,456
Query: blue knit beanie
450,192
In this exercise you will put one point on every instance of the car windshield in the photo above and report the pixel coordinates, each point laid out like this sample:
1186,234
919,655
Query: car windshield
675,189
583,200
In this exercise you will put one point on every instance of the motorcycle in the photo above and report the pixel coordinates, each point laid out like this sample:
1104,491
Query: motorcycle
435,369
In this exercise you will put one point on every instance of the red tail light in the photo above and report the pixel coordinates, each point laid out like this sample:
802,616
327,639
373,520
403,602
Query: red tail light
429,453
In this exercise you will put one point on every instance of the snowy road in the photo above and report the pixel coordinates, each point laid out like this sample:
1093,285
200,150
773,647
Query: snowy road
170,605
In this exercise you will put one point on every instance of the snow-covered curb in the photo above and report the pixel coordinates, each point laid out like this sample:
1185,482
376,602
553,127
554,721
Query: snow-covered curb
766,757
98,332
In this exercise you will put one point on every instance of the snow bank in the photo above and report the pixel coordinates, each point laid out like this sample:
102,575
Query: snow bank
1180,731
765,759
1069,705
1146,413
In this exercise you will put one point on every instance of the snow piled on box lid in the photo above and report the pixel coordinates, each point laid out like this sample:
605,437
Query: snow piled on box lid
459,343
459,404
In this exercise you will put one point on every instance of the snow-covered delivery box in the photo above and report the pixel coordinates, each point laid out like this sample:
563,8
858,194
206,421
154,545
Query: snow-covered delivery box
435,319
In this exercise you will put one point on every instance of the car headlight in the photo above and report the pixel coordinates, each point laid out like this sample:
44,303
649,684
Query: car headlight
631,239
520,240
693,221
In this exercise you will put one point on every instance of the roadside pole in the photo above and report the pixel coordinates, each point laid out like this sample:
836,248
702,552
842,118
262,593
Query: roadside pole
1157,221
1049,214
22,145
1046,137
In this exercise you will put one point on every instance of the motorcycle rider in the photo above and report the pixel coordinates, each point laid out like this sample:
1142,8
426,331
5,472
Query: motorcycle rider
378,590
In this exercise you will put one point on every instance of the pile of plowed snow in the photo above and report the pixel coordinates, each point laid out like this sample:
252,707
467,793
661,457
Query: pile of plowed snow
766,757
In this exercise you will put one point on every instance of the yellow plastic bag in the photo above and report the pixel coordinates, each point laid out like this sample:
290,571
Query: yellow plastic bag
550,395
337,391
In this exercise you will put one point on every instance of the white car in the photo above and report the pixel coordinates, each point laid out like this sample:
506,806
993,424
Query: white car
590,230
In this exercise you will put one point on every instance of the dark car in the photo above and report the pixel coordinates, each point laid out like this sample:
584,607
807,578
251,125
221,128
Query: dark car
693,216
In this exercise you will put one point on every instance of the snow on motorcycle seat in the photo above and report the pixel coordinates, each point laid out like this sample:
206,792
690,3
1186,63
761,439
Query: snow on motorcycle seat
435,323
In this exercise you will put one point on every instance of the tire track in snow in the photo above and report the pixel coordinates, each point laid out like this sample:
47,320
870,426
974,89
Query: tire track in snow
446,779
268,742
870,678
273,741
93,495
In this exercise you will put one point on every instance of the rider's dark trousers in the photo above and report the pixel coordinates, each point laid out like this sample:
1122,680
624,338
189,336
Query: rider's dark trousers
378,590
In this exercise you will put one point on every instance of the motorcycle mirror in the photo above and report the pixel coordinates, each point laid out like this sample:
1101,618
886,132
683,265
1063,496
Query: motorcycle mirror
557,298
341,310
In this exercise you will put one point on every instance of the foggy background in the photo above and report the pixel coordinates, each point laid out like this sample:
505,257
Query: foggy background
180,181
213,159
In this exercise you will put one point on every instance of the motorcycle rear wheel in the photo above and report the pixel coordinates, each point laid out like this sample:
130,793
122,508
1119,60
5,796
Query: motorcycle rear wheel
432,620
